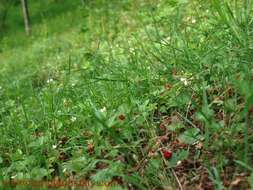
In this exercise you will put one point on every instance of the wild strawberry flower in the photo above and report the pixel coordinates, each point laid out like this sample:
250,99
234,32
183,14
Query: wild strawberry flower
190,19
50,81
14,176
131,50
179,162
73,119
184,81
103,109
194,21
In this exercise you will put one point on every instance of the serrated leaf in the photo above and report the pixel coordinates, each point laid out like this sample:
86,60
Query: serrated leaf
190,136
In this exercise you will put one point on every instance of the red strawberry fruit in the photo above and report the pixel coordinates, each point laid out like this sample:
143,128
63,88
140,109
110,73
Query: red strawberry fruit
167,154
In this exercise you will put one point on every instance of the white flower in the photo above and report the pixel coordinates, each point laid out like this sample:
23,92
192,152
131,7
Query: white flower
50,80
73,119
184,81
54,146
103,109
131,50
194,21
64,170
14,176
179,162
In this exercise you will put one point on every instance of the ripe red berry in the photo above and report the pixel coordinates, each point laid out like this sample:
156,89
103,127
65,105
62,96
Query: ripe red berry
167,154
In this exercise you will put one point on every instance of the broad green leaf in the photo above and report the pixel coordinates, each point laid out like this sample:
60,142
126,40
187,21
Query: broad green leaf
190,136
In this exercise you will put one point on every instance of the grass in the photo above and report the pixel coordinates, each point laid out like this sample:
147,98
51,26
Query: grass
101,92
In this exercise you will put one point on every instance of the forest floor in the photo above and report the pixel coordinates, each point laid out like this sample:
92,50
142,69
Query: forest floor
129,94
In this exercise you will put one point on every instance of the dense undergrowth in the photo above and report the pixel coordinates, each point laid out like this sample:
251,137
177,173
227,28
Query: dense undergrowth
106,91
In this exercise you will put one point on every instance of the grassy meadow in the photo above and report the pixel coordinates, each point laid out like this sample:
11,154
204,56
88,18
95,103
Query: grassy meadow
128,94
